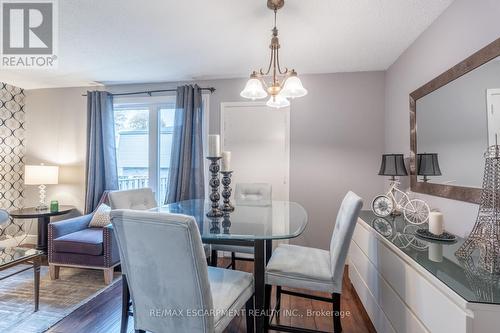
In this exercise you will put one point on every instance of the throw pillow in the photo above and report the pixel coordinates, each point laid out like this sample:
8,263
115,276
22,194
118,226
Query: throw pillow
101,217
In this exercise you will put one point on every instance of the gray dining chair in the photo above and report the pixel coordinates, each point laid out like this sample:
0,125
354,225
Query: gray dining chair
169,272
245,194
253,194
139,199
315,269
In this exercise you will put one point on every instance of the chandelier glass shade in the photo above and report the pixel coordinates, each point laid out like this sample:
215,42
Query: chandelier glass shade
253,90
280,84
278,101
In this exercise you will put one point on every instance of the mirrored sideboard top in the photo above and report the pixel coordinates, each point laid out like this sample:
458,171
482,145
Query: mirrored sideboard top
438,258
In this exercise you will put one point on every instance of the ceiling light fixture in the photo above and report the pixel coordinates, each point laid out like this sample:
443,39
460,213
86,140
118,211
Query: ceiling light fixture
284,83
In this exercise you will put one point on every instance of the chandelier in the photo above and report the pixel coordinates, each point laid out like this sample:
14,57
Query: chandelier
282,83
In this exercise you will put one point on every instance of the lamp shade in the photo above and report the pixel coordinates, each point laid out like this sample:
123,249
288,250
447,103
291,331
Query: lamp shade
278,102
293,88
253,89
393,165
41,175
428,165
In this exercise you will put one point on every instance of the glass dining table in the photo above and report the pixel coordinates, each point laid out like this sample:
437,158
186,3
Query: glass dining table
247,225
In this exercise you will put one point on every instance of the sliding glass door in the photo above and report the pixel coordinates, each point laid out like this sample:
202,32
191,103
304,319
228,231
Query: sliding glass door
143,133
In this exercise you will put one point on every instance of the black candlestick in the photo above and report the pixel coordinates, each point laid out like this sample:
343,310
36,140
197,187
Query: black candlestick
214,225
226,192
226,222
214,185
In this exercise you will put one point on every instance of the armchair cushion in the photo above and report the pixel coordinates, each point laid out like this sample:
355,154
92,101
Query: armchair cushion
65,227
88,241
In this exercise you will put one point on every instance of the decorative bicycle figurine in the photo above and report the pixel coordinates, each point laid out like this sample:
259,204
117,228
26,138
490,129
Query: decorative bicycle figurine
415,211
402,239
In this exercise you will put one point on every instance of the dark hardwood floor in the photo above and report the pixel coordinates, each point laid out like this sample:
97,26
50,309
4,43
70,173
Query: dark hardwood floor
102,314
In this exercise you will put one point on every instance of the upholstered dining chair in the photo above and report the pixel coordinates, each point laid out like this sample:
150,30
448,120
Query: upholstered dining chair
253,194
246,194
314,269
169,272
138,199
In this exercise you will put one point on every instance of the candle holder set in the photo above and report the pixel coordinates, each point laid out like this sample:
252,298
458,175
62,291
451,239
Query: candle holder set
217,210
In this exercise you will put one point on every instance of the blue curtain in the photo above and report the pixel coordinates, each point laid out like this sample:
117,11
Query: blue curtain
186,179
101,169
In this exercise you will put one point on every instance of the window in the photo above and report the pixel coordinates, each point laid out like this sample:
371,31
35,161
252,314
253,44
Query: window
143,134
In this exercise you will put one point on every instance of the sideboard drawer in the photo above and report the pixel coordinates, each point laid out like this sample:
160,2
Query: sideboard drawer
398,314
366,243
434,308
409,300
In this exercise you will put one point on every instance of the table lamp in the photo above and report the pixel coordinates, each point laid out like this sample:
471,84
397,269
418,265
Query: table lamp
428,165
393,165
41,175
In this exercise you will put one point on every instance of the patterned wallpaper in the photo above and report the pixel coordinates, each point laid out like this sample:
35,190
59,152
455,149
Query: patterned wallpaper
12,148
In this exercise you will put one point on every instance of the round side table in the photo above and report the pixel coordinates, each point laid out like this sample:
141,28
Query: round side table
43,217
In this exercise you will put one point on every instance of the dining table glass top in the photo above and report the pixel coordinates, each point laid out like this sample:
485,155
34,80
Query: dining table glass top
277,220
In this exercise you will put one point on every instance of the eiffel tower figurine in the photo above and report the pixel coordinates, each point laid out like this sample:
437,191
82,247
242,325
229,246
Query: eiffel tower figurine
485,236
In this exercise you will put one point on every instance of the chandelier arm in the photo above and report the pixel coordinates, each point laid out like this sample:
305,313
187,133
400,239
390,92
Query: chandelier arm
270,64
279,67
264,82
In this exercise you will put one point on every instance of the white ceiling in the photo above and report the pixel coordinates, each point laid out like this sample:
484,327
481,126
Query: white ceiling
131,41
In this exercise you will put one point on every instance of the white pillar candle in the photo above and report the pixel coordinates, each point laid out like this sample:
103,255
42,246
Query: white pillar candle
214,145
226,161
436,223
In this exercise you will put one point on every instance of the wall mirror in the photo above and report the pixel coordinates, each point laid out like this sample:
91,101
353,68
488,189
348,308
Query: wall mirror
454,118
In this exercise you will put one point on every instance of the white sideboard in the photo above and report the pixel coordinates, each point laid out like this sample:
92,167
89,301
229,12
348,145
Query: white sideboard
404,283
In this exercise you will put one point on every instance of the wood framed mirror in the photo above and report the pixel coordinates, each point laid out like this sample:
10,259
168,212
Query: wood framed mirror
453,118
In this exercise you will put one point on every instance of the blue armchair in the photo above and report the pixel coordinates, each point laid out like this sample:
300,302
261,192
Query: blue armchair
72,243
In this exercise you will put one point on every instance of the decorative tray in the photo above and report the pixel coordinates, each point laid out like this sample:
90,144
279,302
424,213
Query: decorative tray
444,237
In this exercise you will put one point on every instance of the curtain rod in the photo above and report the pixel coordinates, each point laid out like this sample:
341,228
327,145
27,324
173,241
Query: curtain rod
149,92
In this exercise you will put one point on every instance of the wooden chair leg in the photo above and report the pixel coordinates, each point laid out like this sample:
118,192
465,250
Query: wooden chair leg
233,260
108,275
249,314
337,325
54,271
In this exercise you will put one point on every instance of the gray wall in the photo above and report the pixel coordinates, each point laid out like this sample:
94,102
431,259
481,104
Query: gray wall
337,136
465,27
335,146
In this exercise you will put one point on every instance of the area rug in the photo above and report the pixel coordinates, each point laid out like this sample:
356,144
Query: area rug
58,298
